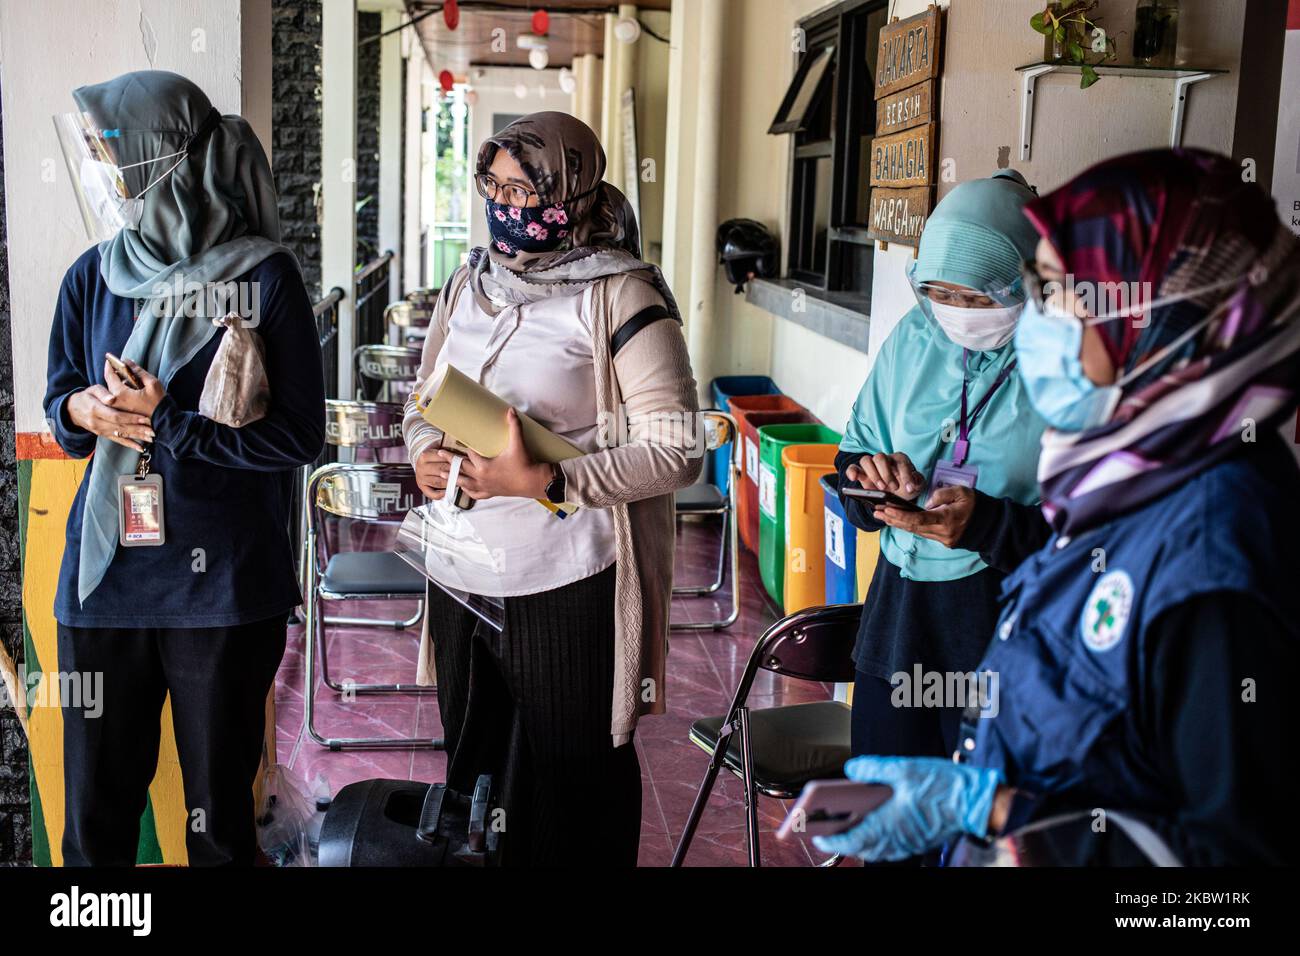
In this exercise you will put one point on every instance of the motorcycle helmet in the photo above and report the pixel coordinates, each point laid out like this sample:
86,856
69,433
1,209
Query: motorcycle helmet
746,248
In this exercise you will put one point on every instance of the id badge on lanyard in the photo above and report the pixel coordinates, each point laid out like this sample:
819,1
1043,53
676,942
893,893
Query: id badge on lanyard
140,508
958,473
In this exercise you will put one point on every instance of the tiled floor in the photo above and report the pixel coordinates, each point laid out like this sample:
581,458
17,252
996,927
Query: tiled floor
703,670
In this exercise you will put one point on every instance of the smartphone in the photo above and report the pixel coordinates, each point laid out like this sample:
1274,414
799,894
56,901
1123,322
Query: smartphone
123,371
874,497
827,807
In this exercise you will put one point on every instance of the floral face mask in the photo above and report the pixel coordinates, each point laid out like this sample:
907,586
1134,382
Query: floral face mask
537,229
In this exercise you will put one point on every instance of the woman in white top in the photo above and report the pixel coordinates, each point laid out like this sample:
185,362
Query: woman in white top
561,319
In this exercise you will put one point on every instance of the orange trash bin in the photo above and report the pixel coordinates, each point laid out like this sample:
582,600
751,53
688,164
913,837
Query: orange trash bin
751,413
805,527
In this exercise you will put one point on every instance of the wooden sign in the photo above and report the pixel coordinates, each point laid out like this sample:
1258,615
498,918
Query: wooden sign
903,159
899,215
905,109
909,52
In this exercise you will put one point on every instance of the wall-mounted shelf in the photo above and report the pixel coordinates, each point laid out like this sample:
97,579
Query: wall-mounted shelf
1182,76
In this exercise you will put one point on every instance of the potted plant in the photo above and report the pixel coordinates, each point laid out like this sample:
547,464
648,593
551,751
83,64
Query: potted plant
1071,36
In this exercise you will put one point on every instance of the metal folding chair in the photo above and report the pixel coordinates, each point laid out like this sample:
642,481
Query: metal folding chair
704,500
367,428
408,321
776,751
368,493
423,298
386,369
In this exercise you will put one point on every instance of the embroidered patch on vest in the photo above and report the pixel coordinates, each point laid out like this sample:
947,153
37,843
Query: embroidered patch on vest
1106,611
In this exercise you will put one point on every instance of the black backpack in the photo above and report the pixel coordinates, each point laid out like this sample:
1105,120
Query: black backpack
404,823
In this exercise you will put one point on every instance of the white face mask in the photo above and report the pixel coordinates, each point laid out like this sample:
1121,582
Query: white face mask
99,184
979,330
110,207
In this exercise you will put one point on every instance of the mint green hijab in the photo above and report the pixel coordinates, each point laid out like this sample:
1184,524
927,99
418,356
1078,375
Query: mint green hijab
911,401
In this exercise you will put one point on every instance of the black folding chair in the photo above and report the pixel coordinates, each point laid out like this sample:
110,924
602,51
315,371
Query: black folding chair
776,751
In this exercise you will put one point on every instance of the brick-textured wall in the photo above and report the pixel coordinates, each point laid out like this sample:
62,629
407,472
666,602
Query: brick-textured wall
15,794
296,134
368,25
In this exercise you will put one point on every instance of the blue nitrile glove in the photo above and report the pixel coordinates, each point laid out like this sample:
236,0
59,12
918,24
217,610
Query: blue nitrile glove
934,801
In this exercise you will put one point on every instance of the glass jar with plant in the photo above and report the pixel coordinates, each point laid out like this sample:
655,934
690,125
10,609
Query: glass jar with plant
1070,35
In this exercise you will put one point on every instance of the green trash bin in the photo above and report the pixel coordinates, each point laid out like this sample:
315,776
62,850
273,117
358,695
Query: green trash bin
772,440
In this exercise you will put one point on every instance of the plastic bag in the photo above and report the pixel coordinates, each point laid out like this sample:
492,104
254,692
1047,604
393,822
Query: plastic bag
283,820
236,390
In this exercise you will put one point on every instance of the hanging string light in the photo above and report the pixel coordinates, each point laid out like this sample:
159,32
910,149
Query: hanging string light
447,81
541,23
451,14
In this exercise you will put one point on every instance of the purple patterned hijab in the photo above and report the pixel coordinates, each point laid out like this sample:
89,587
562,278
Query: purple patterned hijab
1174,221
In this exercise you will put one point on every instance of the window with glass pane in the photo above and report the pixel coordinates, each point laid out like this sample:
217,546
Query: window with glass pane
829,111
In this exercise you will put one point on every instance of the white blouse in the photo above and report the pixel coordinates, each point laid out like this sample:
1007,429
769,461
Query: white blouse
538,358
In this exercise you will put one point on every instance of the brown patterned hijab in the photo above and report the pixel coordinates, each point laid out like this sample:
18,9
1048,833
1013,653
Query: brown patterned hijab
565,163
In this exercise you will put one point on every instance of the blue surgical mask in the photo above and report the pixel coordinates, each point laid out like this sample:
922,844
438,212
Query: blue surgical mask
1047,350
1048,343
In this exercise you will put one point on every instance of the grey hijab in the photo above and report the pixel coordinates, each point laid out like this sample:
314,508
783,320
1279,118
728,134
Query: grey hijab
211,220
562,157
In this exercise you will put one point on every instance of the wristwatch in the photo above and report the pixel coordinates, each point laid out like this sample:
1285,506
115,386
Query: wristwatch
555,491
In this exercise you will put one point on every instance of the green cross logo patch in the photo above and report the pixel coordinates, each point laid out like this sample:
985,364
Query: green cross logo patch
1106,611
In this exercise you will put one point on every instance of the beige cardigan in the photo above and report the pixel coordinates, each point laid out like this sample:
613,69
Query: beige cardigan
652,383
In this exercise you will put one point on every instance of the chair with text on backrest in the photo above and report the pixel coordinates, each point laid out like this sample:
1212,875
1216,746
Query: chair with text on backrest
408,322
776,751
423,298
386,372
373,496
706,499
373,431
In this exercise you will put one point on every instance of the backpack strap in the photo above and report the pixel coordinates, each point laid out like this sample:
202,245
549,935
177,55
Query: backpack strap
629,329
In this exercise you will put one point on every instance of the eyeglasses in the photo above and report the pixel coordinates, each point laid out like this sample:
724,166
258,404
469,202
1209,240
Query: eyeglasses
961,298
510,195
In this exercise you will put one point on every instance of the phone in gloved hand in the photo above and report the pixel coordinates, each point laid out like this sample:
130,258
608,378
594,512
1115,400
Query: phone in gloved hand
827,807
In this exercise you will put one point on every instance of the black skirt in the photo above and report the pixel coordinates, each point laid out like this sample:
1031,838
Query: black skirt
532,705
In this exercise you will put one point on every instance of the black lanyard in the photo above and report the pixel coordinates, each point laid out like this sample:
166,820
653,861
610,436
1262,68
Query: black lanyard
961,449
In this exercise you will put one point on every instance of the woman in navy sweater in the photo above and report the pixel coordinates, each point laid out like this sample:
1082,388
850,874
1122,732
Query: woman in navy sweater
189,222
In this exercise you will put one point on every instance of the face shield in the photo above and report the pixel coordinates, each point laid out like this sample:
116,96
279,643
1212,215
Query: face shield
976,318
106,203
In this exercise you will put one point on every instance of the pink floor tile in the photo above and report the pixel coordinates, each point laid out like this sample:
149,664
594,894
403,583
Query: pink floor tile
703,670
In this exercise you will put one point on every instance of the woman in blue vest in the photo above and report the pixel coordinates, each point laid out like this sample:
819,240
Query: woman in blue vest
1144,654
944,419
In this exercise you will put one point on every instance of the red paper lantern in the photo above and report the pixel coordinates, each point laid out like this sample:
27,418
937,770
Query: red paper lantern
541,23
447,81
451,14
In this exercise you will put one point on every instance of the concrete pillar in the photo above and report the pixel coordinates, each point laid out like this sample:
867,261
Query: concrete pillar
588,76
391,110
255,68
411,202
338,170
679,155
700,330
609,101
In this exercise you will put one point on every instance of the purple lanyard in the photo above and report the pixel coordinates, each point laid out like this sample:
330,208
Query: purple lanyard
961,449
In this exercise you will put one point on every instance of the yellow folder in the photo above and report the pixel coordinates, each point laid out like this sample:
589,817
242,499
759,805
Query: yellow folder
472,417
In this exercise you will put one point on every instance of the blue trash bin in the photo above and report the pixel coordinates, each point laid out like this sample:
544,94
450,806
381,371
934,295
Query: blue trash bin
841,548
725,388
